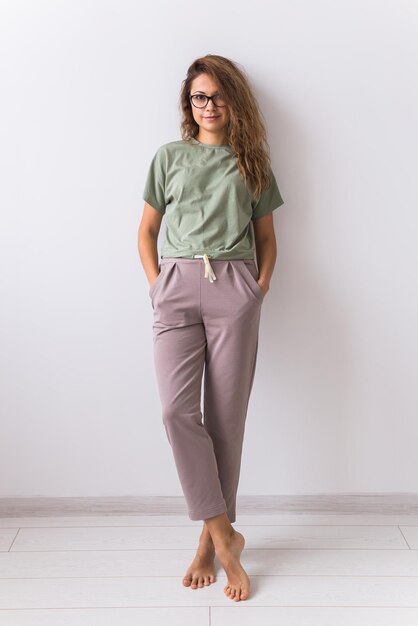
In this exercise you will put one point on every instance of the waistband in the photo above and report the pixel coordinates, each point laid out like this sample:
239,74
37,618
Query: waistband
209,273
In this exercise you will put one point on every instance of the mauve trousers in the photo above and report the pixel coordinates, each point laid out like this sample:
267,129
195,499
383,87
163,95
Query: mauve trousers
211,328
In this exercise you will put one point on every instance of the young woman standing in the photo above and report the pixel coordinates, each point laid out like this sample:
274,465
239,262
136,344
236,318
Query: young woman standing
217,191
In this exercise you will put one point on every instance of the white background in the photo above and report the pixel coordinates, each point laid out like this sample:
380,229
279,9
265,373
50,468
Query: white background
90,90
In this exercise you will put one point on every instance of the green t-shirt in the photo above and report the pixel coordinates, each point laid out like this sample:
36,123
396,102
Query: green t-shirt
207,205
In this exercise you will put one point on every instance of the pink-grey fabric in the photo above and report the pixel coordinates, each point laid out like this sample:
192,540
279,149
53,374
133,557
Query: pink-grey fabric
205,338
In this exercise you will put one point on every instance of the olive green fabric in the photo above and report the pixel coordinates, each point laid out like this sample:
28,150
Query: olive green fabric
206,204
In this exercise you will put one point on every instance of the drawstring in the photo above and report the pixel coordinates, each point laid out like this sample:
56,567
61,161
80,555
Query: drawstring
208,268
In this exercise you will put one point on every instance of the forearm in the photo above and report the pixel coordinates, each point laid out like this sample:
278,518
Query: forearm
266,252
148,253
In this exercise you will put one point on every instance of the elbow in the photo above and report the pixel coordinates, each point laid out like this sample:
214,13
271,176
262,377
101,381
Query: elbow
145,235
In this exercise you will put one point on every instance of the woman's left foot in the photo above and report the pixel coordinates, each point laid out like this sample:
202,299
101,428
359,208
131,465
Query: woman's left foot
238,585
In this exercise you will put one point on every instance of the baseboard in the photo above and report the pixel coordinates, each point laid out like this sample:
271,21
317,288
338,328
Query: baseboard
350,503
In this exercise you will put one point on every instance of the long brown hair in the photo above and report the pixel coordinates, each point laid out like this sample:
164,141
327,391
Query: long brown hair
245,132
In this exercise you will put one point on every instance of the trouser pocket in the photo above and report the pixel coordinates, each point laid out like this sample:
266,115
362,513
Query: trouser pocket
250,270
156,282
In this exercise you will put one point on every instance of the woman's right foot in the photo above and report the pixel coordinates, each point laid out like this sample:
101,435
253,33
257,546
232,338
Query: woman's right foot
201,572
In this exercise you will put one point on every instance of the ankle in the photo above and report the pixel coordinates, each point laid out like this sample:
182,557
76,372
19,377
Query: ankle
205,538
223,539
206,543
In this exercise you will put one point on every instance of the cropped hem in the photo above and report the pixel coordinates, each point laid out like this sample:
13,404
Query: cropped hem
222,508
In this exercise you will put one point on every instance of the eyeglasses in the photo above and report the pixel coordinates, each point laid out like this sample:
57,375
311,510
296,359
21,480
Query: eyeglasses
200,101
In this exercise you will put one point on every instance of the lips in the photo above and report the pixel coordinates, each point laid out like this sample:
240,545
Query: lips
212,117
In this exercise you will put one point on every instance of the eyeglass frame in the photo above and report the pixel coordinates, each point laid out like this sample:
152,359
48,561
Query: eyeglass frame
207,100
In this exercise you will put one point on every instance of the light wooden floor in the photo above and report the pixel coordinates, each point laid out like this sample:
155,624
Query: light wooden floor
305,570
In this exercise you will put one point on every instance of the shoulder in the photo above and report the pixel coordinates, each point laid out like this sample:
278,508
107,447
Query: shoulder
165,150
172,146
168,152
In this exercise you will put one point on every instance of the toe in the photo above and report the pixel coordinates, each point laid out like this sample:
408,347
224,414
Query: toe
243,593
186,581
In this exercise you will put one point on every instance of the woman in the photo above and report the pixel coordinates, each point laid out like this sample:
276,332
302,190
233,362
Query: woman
217,191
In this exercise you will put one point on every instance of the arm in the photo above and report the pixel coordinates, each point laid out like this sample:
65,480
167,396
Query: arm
148,231
266,249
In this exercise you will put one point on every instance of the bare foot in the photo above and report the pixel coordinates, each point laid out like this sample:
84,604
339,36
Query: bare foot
238,586
202,569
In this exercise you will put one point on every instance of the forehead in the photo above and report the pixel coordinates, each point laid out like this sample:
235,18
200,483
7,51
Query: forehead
205,83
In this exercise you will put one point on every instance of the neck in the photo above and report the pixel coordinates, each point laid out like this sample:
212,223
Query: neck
214,138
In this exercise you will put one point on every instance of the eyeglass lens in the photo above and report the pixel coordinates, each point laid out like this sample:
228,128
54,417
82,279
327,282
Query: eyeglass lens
199,100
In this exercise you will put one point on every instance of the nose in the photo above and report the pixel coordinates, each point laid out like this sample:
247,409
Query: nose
210,105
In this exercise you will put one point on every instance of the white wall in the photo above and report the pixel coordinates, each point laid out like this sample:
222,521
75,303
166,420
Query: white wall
334,405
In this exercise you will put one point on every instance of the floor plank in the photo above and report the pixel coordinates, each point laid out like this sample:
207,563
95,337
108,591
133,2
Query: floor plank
174,537
388,591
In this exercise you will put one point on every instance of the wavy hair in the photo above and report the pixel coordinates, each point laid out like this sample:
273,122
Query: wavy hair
245,131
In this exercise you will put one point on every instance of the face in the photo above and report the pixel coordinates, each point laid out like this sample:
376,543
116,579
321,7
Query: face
205,85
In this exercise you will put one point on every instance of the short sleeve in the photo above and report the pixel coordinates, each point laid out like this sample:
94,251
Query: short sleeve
154,190
269,200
